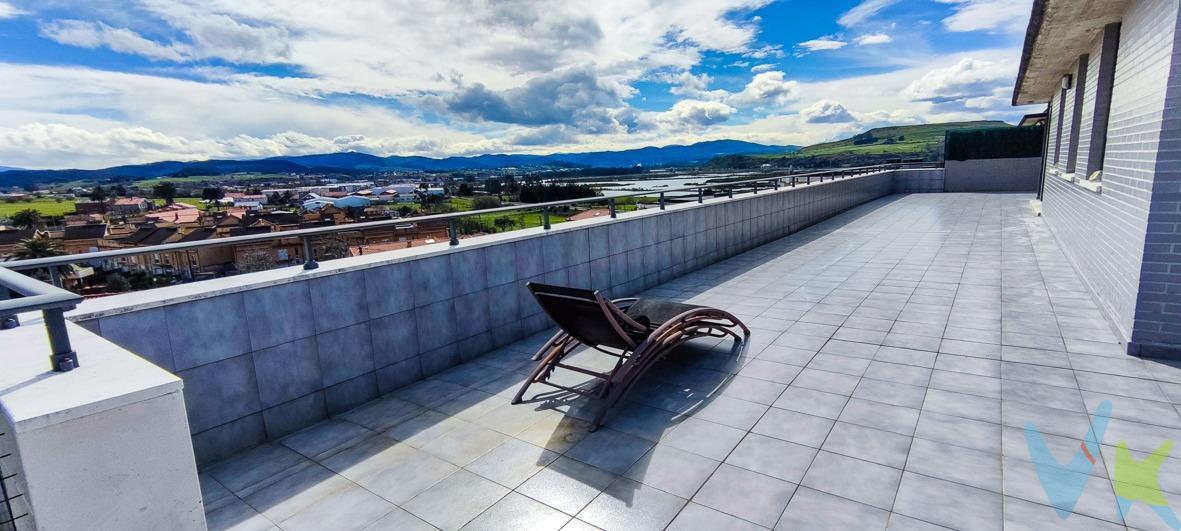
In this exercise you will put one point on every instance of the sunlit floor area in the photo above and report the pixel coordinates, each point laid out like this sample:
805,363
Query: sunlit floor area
920,361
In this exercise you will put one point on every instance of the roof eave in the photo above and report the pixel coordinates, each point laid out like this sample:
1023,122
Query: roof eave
1031,32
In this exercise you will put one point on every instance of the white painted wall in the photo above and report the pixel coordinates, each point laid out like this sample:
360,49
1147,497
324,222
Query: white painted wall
105,446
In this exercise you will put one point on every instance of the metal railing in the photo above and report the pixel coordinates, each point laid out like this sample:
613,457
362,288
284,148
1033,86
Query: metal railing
307,235
51,301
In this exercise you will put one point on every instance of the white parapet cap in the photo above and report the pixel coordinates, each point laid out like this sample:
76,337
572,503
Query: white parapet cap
108,377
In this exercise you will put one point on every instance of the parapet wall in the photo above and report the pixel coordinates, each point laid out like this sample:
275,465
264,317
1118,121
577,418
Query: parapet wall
265,354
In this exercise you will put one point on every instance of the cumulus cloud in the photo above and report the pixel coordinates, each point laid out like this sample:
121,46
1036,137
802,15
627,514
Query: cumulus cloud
980,15
864,11
873,38
826,112
822,44
575,97
689,115
766,88
967,78
762,68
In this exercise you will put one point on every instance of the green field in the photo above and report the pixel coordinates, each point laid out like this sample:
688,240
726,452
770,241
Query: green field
195,201
923,141
902,141
47,207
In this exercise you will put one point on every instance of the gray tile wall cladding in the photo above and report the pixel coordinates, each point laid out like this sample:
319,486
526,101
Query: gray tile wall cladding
918,181
262,363
1126,240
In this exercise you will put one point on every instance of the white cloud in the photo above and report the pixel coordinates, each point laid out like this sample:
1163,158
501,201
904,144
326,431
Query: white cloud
864,11
425,78
8,10
873,38
690,115
96,35
965,79
979,15
826,112
823,43
576,97
766,88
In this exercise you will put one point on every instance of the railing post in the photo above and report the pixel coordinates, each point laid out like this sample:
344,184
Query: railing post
453,231
63,357
544,220
730,192
756,183
700,195
793,181
611,206
309,261
775,183
662,200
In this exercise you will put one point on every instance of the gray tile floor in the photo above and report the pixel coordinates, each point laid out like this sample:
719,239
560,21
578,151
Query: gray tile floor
898,352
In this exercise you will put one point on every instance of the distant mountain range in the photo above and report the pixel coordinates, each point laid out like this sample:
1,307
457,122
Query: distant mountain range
8,168
353,161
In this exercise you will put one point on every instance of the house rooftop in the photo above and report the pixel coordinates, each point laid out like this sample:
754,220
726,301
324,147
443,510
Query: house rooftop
92,231
900,352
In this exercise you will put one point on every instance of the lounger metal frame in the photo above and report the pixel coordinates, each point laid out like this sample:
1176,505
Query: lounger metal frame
643,347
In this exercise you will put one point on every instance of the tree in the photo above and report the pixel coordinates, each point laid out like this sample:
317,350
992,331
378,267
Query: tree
485,202
333,247
465,189
166,191
118,283
354,213
504,223
27,219
493,186
37,247
212,195
257,260
120,190
97,193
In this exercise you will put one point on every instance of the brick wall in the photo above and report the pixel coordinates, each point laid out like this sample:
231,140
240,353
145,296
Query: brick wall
1104,234
1158,312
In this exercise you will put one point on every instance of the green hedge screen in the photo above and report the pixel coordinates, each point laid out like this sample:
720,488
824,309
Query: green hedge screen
994,143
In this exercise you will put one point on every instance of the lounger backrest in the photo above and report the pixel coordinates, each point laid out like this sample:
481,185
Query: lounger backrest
582,313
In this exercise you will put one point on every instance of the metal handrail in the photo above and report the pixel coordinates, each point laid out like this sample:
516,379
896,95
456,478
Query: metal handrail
450,217
52,302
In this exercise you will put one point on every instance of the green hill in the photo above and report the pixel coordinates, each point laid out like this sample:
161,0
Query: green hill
876,145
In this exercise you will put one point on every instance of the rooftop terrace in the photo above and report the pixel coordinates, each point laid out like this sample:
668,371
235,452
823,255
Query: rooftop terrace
900,350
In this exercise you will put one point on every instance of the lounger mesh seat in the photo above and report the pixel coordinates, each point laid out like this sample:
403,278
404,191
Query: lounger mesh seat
638,332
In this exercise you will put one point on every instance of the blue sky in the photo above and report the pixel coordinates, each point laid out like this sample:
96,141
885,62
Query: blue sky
141,80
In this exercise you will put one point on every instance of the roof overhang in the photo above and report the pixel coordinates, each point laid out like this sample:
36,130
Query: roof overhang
1032,119
1059,31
